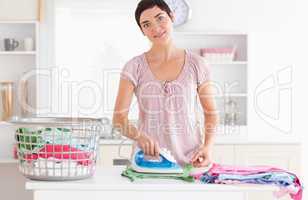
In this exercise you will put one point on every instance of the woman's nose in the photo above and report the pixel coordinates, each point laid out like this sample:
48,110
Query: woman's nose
156,28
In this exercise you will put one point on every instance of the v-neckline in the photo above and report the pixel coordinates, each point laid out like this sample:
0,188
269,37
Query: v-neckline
178,77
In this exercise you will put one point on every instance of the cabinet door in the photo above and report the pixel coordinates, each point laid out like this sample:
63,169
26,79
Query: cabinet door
114,155
223,154
281,156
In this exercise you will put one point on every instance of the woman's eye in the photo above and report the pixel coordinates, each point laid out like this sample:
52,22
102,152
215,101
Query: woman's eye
146,25
161,18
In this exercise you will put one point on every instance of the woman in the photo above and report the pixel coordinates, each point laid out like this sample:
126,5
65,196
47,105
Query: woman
167,82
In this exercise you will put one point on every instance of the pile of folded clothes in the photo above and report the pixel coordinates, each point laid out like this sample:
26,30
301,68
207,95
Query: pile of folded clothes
287,182
227,174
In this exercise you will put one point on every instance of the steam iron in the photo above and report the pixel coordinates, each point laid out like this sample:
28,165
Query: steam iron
164,164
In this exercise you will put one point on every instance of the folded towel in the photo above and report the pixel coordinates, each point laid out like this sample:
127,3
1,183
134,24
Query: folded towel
133,175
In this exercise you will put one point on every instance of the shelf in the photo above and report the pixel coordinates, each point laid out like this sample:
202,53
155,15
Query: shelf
227,63
231,95
18,22
17,52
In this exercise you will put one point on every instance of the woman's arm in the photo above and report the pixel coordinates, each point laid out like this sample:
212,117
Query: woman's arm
211,118
120,116
120,119
203,156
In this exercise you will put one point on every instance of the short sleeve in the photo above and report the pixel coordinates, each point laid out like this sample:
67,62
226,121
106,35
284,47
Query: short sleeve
129,72
202,72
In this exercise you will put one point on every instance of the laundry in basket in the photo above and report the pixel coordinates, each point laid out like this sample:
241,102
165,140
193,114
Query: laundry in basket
57,148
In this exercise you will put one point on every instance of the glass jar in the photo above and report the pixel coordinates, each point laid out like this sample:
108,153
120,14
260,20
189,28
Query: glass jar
6,100
231,112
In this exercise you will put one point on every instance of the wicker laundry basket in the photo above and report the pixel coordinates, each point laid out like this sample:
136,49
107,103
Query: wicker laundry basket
57,148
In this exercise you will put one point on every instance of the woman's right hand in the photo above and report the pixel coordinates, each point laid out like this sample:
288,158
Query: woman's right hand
148,145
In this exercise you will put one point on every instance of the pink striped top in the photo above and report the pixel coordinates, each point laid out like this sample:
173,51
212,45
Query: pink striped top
167,109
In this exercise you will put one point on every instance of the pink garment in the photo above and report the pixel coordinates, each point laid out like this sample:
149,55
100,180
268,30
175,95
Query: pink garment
241,170
295,191
167,109
61,152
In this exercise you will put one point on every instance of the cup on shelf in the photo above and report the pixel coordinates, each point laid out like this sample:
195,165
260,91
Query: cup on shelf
28,44
10,44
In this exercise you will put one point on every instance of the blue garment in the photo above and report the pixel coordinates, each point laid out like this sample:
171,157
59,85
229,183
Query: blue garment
278,178
206,178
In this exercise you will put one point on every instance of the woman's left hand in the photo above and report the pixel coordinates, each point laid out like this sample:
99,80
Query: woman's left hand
202,157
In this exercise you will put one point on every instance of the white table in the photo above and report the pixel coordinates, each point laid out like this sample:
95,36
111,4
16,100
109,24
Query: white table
107,183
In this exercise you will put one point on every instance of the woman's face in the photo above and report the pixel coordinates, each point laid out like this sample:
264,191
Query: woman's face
156,25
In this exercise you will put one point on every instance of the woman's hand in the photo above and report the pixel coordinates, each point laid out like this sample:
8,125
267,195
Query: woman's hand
148,145
202,157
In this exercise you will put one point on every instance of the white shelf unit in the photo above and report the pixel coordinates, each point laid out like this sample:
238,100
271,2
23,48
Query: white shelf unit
18,53
227,63
229,78
13,64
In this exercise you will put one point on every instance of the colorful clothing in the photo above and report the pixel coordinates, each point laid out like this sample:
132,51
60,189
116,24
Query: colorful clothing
61,152
287,182
226,174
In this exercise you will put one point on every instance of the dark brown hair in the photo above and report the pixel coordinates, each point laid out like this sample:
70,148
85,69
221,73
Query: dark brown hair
146,4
